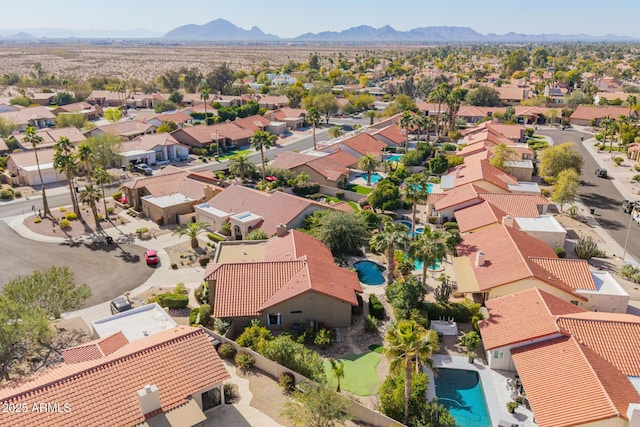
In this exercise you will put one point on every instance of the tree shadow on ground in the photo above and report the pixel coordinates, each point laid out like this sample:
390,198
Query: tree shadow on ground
599,201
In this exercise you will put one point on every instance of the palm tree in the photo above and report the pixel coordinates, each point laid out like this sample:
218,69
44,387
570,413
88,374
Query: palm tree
394,235
101,177
454,99
64,160
90,195
371,115
428,125
86,155
336,132
204,96
313,115
410,344
632,103
419,122
368,163
31,137
428,248
260,141
337,369
241,166
415,191
439,96
192,229
406,121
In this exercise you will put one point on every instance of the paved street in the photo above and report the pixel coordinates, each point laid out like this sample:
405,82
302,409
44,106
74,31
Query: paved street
108,270
600,194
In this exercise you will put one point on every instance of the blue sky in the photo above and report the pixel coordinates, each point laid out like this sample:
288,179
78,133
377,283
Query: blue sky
289,19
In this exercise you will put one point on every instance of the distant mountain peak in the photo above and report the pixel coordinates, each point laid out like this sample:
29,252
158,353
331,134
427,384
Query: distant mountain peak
218,30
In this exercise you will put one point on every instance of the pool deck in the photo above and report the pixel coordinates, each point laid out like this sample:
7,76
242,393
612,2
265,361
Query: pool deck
494,385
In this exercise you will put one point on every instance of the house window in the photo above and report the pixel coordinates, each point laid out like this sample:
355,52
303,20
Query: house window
211,398
574,302
273,319
296,312
498,354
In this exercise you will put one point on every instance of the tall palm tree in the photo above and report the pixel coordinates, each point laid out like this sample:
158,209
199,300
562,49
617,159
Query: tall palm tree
394,235
86,156
406,121
337,369
313,115
371,115
409,344
336,132
428,125
90,195
102,178
632,103
454,99
429,248
439,96
368,163
415,191
260,141
64,160
31,137
418,121
204,96
191,230
241,166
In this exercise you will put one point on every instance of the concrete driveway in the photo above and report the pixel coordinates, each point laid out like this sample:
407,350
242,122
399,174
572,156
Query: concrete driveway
108,270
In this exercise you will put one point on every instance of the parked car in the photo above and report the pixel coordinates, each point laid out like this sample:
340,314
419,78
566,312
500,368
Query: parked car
143,168
120,304
151,257
601,173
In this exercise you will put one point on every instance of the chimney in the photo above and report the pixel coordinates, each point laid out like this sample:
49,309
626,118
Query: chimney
281,230
479,259
633,414
149,399
507,221
457,172
208,192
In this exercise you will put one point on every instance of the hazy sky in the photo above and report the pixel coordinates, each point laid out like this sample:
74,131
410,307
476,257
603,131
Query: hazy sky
289,18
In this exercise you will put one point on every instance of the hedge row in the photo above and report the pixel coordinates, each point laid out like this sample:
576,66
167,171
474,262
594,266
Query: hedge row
376,309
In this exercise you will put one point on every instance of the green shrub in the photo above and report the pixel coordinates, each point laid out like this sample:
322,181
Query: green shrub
17,194
7,194
214,237
204,260
376,309
630,272
323,338
450,224
357,310
636,167
306,188
63,209
586,248
226,229
257,234
560,252
227,351
111,210
287,381
370,324
244,360
173,300
117,195
180,289
193,316
202,293
461,312
340,195
205,314
71,216
529,131
511,406
636,178
65,224
618,160
221,326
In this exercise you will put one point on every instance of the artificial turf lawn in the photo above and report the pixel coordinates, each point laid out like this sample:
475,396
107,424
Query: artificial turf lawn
360,377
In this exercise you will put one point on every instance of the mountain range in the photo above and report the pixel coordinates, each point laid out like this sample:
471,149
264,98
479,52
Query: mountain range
221,30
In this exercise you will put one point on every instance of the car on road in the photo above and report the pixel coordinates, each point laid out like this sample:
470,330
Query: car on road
151,257
143,168
120,304
601,173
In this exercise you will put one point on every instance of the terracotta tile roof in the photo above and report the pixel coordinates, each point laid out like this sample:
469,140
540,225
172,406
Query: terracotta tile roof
177,117
561,373
28,157
473,111
523,316
431,107
364,143
516,205
179,361
51,136
294,264
510,255
95,349
468,193
290,160
253,123
476,168
477,216
232,131
343,158
23,116
614,336
584,112
75,107
148,142
171,180
391,133
286,113
575,273
127,128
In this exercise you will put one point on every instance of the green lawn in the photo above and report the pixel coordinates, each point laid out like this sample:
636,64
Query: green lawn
360,377
233,153
355,206
359,189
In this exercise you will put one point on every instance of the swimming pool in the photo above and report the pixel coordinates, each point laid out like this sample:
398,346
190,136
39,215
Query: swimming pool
375,177
417,265
369,272
461,393
429,187
406,223
396,158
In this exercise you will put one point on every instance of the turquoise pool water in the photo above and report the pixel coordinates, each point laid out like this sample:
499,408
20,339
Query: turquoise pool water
419,228
375,177
418,265
461,393
369,272
429,187
395,158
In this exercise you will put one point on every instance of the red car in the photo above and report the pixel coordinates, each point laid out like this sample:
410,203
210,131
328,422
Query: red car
151,257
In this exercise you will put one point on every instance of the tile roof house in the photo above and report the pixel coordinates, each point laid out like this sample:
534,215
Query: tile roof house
248,209
38,117
390,135
359,145
90,112
170,196
52,135
501,260
178,117
584,362
477,169
297,282
23,169
330,169
293,117
227,133
126,129
586,115
153,149
170,378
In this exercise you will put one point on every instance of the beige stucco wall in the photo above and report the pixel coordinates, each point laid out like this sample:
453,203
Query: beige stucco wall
168,214
607,303
522,174
523,285
315,176
552,238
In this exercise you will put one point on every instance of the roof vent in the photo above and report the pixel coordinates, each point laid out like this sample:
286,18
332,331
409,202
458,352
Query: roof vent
479,259
507,221
281,230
